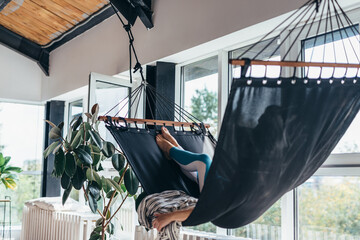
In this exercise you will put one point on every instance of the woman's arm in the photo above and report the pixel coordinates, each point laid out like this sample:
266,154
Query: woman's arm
163,219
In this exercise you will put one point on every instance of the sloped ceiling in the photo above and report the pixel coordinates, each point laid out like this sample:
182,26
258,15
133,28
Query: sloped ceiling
36,27
42,21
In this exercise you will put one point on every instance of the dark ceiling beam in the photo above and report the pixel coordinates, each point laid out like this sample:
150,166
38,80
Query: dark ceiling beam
25,47
93,20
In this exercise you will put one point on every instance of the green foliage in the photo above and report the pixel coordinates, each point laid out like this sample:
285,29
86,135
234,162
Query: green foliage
204,105
331,207
131,182
8,174
78,158
27,188
206,227
327,207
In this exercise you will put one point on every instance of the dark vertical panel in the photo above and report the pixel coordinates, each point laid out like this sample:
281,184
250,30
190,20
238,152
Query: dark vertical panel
150,102
50,186
162,77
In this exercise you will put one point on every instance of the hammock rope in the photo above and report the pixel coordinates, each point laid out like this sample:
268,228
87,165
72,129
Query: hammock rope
329,17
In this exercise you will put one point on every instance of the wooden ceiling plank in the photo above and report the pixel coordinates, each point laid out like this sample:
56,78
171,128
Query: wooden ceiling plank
81,5
31,22
26,32
46,17
55,9
43,20
93,5
73,14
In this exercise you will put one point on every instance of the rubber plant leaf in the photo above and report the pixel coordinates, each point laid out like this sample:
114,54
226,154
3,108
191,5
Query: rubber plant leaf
65,181
59,164
78,179
55,133
96,138
50,148
66,194
108,149
84,156
118,161
70,166
131,182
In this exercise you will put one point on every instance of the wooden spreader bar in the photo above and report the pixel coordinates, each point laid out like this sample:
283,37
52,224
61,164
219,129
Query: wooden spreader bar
239,62
152,122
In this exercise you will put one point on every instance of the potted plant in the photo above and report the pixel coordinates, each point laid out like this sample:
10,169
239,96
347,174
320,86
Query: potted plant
78,162
8,174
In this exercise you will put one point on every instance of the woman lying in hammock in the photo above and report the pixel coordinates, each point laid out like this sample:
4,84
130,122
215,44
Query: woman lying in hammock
194,165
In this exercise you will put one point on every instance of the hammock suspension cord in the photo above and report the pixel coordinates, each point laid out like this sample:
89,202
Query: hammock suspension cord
167,107
334,21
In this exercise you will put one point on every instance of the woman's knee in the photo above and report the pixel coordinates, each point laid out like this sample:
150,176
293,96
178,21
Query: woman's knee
205,159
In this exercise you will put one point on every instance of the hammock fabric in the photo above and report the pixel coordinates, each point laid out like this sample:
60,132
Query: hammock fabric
275,133
155,172
272,139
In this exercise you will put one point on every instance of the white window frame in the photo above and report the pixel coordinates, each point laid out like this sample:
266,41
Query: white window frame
65,132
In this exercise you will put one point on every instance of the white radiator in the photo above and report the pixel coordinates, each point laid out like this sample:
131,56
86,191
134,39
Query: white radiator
42,223
185,234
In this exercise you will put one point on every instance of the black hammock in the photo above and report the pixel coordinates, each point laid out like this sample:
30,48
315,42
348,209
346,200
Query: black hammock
275,134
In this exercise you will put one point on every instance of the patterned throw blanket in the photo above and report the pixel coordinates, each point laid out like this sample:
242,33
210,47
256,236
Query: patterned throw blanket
167,201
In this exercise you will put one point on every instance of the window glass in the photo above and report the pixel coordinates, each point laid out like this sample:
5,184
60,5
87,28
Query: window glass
350,142
75,111
338,46
200,98
272,53
329,208
200,91
107,95
266,227
21,138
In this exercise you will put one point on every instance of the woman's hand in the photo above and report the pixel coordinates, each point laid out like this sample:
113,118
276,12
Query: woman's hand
162,220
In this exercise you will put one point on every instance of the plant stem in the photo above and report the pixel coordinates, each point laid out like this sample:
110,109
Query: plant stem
117,210
112,196
103,230
84,133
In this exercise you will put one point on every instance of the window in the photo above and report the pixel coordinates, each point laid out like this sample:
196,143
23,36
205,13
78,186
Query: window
338,46
332,47
200,91
327,202
21,138
75,110
329,208
268,226
200,98
107,95
272,53
326,206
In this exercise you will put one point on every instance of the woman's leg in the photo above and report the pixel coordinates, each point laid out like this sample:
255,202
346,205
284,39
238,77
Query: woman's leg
191,162
188,161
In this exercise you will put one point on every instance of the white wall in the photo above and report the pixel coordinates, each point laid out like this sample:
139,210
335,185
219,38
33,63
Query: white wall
20,77
179,25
